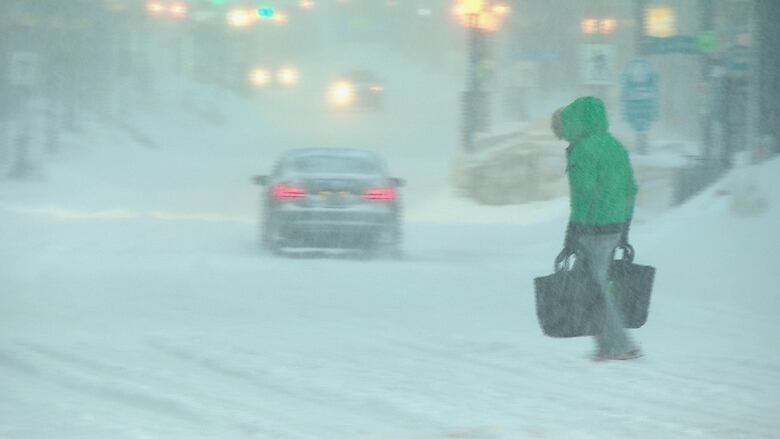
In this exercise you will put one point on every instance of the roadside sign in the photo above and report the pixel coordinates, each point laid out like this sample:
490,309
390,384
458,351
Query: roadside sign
639,94
706,42
24,69
597,64
680,44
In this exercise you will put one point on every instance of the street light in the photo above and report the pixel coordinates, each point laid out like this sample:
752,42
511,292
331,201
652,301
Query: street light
502,9
178,10
589,26
155,8
280,18
240,18
288,76
260,77
660,22
607,25
480,17
603,26
480,14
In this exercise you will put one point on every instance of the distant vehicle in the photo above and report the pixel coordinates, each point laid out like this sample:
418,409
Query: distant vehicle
357,90
282,78
331,198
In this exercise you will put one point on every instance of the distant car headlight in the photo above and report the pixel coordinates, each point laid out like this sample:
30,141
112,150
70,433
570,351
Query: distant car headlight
178,10
377,88
342,94
241,18
155,8
288,76
260,77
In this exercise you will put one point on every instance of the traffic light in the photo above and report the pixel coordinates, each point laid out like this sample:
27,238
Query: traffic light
266,12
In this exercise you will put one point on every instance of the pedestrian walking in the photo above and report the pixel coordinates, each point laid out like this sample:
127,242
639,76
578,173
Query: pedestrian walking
602,197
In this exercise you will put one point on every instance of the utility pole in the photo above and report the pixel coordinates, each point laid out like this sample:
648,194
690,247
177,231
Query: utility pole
24,66
768,72
474,96
641,135
5,98
707,21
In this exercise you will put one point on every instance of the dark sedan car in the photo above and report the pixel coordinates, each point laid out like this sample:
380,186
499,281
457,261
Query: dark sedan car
330,198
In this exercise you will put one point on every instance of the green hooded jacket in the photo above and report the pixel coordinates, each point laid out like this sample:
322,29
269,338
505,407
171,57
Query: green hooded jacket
601,181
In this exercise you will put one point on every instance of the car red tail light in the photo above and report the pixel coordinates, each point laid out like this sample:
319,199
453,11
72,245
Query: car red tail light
285,192
383,193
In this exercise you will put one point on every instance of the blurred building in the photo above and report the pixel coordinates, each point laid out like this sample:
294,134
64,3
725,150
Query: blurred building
705,52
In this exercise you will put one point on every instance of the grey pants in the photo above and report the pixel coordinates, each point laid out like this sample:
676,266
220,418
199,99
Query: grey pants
595,254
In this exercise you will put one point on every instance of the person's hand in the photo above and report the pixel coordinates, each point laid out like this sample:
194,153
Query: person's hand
628,249
624,237
562,258
569,244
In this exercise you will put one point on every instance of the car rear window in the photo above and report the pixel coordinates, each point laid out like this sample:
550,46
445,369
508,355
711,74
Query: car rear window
338,165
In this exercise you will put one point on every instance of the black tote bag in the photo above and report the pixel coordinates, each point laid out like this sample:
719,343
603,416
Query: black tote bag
569,304
632,285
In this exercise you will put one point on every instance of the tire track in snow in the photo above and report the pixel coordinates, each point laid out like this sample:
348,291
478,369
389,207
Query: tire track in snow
14,364
82,380
130,374
337,401
385,382
473,402
572,391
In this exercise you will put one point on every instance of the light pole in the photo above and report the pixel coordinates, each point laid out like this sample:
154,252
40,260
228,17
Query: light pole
480,17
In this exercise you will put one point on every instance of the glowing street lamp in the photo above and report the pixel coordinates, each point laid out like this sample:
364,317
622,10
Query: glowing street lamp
471,7
306,4
178,10
260,77
502,9
660,22
241,18
280,18
589,26
155,8
480,15
488,21
607,25
287,76
592,26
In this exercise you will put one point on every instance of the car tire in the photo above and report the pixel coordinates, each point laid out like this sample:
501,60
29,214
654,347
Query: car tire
269,237
391,247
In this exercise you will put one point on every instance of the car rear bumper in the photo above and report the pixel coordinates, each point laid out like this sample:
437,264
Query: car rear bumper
332,228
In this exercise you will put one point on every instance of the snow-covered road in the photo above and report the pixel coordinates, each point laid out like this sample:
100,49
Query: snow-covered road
134,303
152,328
